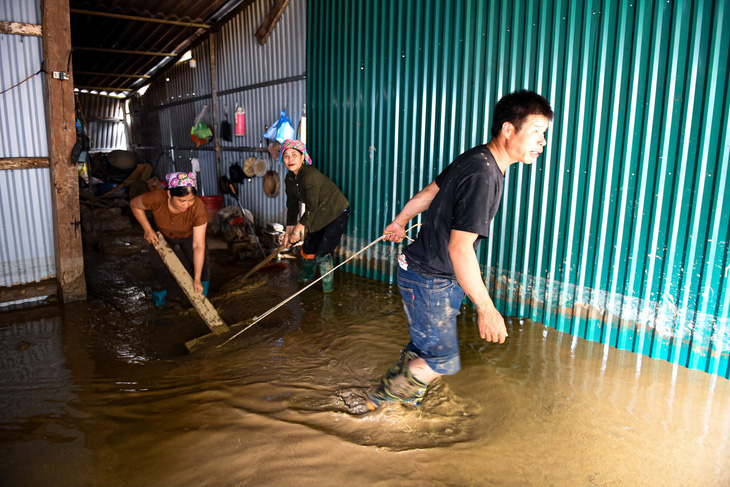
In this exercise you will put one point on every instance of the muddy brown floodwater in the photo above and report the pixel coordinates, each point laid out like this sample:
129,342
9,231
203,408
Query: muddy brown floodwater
103,393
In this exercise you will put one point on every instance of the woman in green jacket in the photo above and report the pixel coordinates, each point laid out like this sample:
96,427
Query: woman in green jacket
326,211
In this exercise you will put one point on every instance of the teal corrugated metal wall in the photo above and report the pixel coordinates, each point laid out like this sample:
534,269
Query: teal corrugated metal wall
619,233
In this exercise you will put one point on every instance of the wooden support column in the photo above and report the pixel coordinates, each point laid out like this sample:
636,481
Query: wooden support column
61,129
214,107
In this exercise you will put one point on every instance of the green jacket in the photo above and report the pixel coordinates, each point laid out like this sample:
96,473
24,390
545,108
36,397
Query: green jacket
322,198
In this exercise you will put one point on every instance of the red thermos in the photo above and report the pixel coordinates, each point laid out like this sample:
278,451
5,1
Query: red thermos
240,121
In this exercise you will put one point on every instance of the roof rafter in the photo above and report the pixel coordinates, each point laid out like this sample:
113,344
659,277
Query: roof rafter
139,19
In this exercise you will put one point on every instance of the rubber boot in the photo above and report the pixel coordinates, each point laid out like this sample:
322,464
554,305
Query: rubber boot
206,285
398,384
325,265
307,268
160,298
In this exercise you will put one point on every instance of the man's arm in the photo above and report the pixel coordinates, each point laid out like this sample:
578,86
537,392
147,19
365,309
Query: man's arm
395,231
466,267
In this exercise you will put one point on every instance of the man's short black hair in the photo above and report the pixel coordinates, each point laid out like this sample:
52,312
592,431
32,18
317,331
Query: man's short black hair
516,107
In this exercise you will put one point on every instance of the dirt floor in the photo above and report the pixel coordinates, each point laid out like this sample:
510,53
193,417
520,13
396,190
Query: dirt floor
104,393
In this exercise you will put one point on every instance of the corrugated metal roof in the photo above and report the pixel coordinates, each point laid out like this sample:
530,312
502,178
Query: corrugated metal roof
99,41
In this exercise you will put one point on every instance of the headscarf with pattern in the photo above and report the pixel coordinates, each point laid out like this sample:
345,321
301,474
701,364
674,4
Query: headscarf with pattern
178,179
294,144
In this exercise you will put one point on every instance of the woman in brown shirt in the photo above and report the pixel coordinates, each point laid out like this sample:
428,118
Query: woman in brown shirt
182,219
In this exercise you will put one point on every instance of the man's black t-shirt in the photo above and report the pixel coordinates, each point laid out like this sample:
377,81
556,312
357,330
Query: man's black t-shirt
470,190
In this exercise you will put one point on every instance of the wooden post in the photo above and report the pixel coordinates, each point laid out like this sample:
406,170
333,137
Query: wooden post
214,107
182,276
61,129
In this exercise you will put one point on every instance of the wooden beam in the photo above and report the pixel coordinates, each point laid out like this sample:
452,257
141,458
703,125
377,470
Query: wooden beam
124,51
20,29
183,278
61,129
104,88
47,287
263,32
139,19
119,75
7,163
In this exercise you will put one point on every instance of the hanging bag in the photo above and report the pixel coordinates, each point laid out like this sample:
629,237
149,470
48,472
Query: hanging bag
226,130
200,131
281,130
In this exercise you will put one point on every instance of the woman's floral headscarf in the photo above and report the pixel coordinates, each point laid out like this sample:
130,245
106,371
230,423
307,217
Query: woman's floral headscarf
294,144
177,179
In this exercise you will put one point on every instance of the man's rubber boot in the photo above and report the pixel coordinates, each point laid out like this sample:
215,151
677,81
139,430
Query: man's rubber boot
398,384
160,298
206,285
325,265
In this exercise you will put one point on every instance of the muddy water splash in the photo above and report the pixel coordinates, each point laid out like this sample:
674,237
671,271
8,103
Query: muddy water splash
101,397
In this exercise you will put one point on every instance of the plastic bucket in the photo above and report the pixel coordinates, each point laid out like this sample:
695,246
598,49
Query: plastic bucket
212,205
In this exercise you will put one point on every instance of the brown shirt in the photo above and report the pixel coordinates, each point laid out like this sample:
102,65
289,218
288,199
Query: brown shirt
171,225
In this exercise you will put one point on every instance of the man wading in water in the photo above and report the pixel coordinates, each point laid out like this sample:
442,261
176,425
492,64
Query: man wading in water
441,265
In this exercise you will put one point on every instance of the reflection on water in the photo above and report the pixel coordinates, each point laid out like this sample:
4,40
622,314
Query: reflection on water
101,397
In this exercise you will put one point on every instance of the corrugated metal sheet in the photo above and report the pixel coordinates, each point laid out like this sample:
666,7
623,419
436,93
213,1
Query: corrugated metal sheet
105,122
26,227
619,234
262,79
23,114
27,251
21,11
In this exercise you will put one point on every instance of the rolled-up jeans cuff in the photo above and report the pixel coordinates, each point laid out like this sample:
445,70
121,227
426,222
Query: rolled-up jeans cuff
431,306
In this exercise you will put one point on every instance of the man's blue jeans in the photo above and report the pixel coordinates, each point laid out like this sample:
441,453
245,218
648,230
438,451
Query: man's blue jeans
432,305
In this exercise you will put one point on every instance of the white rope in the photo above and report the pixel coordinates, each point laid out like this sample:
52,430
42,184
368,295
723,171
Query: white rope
256,319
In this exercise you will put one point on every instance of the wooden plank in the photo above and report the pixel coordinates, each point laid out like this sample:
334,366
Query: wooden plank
61,128
196,343
8,163
21,29
204,308
46,287
263,32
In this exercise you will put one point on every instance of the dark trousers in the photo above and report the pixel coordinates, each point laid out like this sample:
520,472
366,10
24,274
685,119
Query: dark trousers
326,240
160,272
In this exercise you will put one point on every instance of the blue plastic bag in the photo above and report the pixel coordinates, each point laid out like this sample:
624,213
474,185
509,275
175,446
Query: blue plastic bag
281,130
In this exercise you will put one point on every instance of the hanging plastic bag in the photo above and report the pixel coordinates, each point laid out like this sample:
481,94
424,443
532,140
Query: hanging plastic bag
281,130
200,131
273,129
